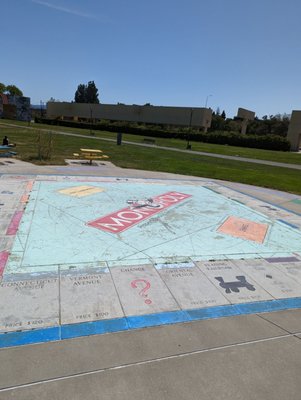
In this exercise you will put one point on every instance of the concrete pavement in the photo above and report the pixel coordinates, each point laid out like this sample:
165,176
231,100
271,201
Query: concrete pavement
245,357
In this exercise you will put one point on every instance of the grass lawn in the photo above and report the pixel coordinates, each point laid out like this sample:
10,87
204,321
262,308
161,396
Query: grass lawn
156,159
259,154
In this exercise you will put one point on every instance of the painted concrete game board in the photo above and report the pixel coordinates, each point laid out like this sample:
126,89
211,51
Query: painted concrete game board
82,256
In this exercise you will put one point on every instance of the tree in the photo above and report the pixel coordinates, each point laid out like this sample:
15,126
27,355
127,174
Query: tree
13,90
80,96
2,88
92,93
274,124
87,93
217,123
223,114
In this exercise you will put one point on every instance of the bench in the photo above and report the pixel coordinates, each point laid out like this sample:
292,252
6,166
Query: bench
149,141
5,151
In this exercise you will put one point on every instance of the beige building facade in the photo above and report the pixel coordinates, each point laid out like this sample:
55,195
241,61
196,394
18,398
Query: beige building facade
245,116
294,131
183,116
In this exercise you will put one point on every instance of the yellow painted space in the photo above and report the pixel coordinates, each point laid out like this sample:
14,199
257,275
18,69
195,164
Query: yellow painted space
81,191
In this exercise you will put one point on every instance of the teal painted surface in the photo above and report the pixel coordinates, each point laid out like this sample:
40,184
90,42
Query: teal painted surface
296,201
53,230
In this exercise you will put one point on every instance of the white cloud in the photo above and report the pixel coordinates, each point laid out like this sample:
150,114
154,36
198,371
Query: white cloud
65,9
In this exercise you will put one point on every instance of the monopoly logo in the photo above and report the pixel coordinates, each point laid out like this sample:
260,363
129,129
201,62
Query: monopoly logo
124,219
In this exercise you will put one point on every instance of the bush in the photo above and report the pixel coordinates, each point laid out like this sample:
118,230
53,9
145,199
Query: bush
267,142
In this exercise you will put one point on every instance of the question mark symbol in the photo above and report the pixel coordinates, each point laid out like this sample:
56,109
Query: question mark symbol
142,293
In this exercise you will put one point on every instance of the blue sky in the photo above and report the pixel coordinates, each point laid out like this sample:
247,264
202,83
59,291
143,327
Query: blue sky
232,53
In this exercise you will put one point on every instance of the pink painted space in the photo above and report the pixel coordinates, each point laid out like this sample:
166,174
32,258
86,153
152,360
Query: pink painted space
244,229
14,223
29,186
3,260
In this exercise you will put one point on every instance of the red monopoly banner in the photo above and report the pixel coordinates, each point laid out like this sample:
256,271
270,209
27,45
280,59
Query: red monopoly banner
125,218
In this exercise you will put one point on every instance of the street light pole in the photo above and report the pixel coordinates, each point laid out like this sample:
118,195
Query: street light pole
207,99
91,115
188,146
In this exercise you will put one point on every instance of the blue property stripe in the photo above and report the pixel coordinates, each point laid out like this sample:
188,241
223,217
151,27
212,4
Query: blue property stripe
11,339
213,312
288,223
165,318
94,328
269,306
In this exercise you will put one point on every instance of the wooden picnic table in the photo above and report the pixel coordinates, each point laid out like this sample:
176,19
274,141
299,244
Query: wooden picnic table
92,154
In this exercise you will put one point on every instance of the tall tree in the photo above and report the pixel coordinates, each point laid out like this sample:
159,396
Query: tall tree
80,94
92,93
2,88
87,93
13,90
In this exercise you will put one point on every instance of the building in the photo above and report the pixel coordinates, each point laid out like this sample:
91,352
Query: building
180,116
15,107
294,131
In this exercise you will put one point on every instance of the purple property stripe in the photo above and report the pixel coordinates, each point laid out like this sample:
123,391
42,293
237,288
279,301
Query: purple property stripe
14,223
3,259
282,259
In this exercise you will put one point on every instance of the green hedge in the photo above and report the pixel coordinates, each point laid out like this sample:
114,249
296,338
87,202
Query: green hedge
267,142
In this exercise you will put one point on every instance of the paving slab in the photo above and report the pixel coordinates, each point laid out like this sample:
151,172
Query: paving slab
232,282
88,297
273,280
238,372
18,365
291,269
189,286
29,304
141,291
290,320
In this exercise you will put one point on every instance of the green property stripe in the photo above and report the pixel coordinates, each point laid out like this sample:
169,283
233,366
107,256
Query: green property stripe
296,201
